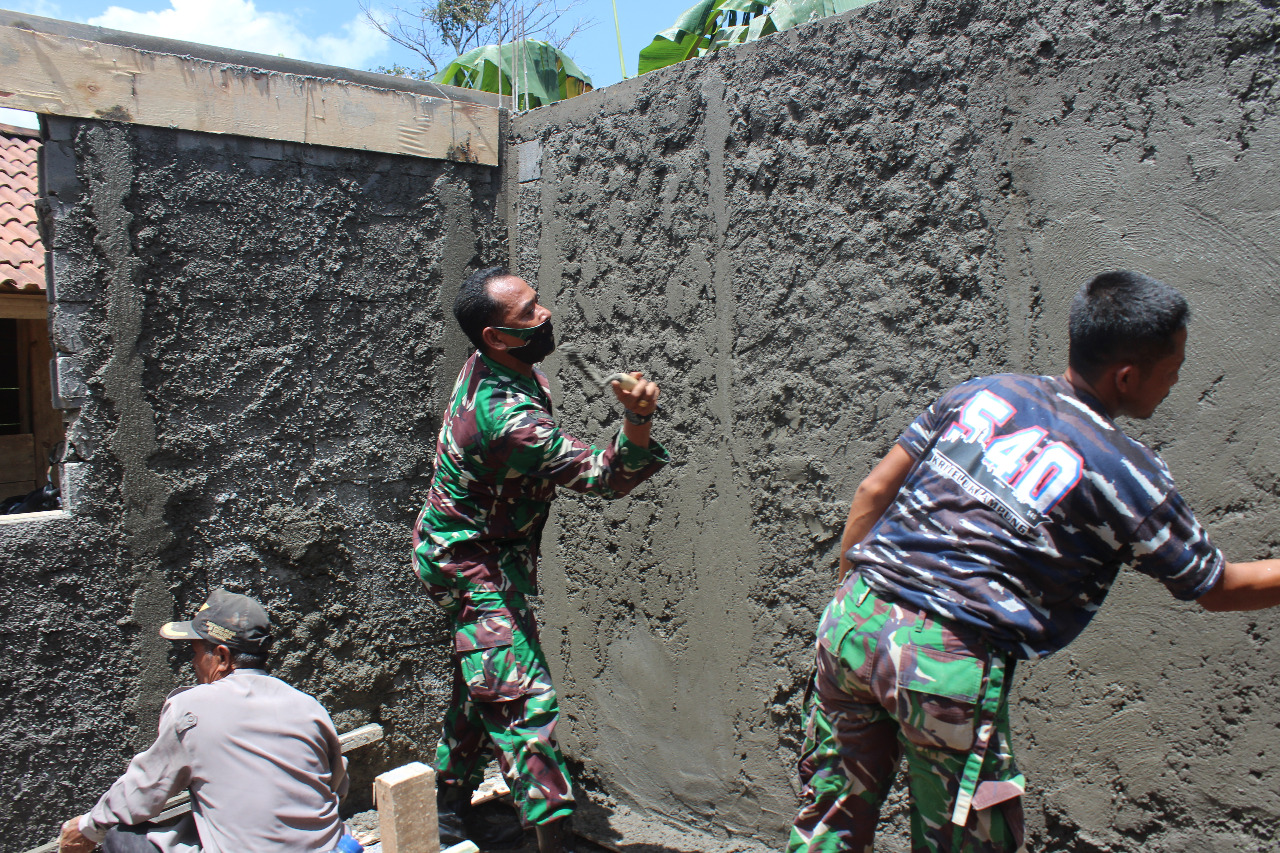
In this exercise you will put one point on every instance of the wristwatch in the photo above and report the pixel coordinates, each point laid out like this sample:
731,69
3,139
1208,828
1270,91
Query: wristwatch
633,418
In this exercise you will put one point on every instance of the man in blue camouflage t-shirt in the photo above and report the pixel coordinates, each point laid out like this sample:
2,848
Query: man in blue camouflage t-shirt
990,533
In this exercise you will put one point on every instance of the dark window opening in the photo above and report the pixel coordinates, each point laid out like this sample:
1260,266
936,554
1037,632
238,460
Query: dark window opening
10,385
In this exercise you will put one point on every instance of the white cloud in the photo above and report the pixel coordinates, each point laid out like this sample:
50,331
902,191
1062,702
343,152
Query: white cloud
240,25
44,8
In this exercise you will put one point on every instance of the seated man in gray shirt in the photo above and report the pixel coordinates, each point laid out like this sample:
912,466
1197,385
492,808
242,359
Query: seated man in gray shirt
262,760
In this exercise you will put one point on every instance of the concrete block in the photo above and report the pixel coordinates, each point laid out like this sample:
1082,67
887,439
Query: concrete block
73,482
68,326
59,128
69,388
406,801
58,172
321,156
71,278
529,155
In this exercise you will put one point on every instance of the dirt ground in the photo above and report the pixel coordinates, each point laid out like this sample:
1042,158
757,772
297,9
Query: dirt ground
367,822
600,828
599,831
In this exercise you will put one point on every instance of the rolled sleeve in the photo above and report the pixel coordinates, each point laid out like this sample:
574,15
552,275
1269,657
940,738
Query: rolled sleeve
1171,546
917,438
533,444
90,830
635,459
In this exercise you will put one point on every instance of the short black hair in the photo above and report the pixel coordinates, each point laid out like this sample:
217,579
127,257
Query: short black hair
474,308
249,660
1124,316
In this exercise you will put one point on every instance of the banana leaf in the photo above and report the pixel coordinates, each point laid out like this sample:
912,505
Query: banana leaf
544,73
760,25
789,13
694,32
713,24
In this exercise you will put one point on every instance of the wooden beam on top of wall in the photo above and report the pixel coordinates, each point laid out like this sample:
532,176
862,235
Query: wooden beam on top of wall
58,75
24,306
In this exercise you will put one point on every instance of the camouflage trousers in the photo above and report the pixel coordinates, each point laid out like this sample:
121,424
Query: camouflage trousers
892,681
503,697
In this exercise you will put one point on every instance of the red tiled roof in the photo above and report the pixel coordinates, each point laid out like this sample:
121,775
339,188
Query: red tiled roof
21,251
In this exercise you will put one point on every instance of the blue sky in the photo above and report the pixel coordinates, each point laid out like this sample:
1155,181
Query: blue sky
334,32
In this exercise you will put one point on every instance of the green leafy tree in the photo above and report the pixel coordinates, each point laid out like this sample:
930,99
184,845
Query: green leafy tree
711,24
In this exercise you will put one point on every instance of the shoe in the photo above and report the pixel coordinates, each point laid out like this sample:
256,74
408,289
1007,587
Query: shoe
459,822
556,837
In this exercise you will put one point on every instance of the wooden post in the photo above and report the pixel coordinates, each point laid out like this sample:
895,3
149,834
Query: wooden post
406,801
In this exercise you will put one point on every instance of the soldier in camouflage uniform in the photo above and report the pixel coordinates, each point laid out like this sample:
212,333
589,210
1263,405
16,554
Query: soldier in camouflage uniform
499,458
990,534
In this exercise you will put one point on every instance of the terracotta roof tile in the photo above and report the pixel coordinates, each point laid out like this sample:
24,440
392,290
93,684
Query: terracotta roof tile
21,251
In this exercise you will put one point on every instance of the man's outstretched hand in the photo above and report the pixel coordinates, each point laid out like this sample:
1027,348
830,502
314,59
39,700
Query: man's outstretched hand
641,399
72,840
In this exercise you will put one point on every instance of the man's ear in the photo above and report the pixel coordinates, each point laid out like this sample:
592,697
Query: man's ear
223,654
493,339
1126,378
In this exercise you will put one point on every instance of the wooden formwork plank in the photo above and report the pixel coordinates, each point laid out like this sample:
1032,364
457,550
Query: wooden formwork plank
65,76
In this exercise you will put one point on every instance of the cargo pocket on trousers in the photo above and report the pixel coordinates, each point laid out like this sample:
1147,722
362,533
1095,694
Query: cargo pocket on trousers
493,675
938,695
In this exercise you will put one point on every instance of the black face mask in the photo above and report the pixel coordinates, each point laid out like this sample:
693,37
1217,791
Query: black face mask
540,342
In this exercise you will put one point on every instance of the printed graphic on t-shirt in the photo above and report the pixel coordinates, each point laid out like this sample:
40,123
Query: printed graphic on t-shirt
1020,476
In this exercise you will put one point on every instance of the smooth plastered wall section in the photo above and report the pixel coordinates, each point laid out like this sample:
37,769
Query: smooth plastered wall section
806,240
260,333
1152,144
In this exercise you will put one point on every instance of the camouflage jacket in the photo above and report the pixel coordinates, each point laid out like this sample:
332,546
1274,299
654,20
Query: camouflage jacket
499,458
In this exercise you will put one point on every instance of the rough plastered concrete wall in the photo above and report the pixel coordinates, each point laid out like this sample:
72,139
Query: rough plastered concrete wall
1152,142
259,331
808,238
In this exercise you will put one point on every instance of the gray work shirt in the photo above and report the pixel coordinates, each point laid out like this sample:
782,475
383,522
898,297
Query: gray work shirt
261,759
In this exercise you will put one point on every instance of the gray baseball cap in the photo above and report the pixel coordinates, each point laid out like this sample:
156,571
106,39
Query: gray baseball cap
226,619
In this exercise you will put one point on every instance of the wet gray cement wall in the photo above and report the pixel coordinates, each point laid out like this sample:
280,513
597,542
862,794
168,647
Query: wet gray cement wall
806,240
260,335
